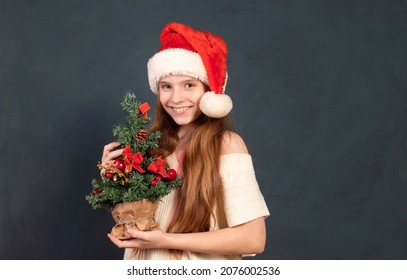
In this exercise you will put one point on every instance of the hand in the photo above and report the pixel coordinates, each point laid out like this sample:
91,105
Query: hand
108,155
155,239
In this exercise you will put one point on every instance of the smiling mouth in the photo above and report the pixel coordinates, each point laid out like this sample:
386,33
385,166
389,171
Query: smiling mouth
180,109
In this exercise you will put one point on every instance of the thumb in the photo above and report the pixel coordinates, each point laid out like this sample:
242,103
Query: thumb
135,233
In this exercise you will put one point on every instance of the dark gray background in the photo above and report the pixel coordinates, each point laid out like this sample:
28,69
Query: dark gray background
319,94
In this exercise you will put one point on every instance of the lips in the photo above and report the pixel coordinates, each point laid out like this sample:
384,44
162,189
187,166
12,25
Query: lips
180,109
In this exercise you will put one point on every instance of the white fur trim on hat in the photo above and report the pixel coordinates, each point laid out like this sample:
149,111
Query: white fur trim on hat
175,62
215,105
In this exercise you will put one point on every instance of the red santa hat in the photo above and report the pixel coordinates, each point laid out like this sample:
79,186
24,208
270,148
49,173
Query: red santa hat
199,54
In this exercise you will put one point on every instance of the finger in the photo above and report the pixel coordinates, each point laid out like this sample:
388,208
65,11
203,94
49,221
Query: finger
131,243
115,240
112,155
107,149
138,234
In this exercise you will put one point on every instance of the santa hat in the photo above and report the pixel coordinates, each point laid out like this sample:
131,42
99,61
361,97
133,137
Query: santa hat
199,54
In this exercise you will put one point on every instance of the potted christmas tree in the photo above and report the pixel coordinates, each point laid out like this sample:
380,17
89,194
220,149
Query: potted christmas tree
131,186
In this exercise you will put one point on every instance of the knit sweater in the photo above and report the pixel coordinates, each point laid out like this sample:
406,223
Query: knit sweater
243,203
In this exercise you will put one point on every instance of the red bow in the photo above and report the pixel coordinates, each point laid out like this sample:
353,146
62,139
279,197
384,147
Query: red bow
157,166
143,108
132,160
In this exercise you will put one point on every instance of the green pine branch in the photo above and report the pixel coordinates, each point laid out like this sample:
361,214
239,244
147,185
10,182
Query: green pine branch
107,192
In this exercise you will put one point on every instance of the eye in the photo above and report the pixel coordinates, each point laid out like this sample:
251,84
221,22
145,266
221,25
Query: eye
165,86
190,85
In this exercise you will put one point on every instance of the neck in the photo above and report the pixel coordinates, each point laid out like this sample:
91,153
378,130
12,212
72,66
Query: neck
185,132
184,135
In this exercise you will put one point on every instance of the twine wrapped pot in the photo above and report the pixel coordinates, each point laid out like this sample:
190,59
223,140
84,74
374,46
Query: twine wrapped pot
134,215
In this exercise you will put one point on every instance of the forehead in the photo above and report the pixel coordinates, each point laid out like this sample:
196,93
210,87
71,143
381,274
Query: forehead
177,79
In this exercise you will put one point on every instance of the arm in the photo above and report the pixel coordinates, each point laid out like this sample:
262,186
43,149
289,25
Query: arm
248,238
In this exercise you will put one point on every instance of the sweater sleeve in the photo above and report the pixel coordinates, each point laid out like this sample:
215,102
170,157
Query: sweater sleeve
244,201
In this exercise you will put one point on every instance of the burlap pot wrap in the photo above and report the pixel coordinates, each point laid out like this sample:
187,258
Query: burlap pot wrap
138,215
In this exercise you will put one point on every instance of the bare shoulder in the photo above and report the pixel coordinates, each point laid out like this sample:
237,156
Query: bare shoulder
233,143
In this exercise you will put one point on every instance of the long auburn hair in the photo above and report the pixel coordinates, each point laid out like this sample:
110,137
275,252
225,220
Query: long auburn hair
199,201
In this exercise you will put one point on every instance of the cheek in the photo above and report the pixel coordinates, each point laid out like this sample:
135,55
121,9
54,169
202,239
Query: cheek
163,98
197,96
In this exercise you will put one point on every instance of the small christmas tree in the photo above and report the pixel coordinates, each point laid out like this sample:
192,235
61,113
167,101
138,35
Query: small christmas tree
135,175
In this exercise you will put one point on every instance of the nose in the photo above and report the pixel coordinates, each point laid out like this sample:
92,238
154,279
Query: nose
177,95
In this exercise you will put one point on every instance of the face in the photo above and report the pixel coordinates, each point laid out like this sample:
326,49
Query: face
180,95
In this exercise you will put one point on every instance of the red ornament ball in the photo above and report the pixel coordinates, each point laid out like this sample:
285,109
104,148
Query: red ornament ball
154,182
119,163
96,191
172,174
109,175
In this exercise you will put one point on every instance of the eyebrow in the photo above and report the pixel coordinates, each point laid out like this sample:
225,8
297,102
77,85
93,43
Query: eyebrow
183,81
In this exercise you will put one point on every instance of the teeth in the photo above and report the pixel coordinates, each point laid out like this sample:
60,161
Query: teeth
180,110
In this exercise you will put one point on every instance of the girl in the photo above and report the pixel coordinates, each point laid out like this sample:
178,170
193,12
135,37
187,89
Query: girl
219,211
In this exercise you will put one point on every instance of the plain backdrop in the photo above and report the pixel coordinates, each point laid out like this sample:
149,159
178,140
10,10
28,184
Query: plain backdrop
319,93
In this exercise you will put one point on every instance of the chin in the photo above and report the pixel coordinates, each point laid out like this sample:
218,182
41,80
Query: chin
184,120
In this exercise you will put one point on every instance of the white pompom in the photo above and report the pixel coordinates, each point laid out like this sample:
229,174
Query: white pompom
215,105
